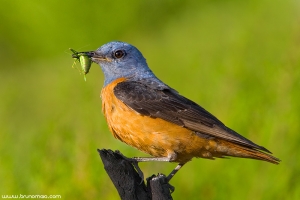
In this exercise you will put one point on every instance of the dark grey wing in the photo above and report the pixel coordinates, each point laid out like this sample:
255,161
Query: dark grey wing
167,104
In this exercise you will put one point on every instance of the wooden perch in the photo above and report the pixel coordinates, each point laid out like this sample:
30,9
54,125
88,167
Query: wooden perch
128,182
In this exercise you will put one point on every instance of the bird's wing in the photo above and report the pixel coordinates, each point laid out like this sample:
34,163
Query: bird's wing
167,104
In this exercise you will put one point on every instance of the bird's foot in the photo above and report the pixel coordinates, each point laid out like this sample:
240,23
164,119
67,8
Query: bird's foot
163,182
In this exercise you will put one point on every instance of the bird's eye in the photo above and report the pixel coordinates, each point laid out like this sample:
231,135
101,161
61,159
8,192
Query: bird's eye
119,53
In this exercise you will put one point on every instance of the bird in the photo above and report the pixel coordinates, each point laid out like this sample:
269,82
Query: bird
144,112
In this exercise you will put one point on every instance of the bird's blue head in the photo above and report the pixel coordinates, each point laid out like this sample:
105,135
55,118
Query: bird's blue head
120,59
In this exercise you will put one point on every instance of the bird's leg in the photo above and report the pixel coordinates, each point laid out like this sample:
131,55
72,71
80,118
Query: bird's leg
164,159
135,160
171,157
147,159
177,168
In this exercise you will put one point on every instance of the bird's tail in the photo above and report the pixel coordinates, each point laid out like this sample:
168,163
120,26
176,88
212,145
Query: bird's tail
236,150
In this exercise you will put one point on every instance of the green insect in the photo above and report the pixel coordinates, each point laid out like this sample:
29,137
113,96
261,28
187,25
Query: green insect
85,61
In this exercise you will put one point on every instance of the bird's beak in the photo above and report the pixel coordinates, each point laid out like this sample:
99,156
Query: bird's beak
93,55
97,57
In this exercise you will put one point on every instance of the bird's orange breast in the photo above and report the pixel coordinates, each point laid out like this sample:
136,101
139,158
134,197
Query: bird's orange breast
154,136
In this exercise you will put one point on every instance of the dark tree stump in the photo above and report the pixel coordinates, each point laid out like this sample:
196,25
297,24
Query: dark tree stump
128,182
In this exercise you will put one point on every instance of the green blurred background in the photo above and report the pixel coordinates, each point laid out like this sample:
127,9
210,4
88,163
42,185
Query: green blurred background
238,59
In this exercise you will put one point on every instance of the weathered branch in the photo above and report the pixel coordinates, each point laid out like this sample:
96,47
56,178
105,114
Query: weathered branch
127,180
